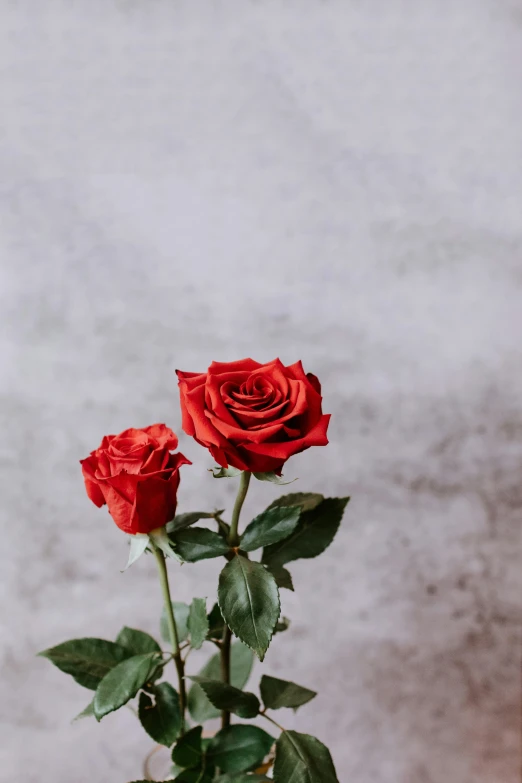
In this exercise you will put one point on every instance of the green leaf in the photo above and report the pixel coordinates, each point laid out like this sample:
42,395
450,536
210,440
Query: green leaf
197,622
273,478
239,747
86,713
181,615
137,642
282,625
226,697
241,660
302,759
314,533
161,718
249,602
223,528
216,624
123,683
198,543
87,660
270,527
188,749
306,501
281,693
194,776
229,472
243,777
282,576
181,521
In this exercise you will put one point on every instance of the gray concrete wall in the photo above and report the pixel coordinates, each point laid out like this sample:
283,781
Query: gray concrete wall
337,182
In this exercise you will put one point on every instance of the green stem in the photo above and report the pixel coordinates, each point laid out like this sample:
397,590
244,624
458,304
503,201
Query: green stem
264,715
233,540
173,632
225,670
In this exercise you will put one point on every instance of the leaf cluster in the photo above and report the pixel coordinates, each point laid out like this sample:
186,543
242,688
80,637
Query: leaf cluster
132,667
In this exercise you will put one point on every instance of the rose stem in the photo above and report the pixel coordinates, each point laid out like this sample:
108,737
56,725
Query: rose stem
264,715
233,540
173,633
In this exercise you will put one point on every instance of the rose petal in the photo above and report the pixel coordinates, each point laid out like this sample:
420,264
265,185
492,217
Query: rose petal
124,484
165,437
284,450
176,461
314,382
196,408
191,379
240,435
254,419
120,509
217,405
131,436
103,467
276,372
155,503
219,368
157,460
91,485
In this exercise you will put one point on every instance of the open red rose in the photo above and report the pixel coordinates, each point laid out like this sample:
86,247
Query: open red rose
253,416
135,474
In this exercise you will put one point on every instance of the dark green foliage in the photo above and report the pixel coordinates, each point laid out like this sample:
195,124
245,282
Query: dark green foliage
241,660
160,716
269,527
182,521
123,683
198,543
198,622
239,747
282,576
226,697
88,660
281,693
181,615
216,624
306,501
188,750
249,601
314,533
137,642
302,759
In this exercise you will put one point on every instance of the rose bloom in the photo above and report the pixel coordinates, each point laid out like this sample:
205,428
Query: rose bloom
135,474
253,416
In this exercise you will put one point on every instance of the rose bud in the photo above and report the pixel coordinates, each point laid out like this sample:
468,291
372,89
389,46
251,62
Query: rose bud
253,416
135,474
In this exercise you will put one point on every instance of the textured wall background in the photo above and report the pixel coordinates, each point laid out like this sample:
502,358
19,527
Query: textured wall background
338,182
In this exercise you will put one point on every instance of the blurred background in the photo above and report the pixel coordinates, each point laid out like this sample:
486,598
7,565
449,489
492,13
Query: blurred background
337,182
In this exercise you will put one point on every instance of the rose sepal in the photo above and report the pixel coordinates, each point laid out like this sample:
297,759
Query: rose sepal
138,544
160,540
273,477
229,472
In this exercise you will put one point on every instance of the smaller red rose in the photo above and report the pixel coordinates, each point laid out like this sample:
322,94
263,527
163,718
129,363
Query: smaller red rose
253,416
135,474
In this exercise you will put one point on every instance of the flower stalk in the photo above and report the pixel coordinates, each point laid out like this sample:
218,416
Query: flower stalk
173,632
233,540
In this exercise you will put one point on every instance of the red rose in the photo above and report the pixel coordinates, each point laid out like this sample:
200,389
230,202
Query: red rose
253,416
137,476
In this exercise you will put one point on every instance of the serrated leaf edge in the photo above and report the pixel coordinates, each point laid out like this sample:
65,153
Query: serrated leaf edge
278,616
